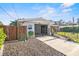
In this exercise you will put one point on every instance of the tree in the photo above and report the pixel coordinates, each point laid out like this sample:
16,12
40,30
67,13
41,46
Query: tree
60,22
1,23
73,24
78,26
78,21
13,23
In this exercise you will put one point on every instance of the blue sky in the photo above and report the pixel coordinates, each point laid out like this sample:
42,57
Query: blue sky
50,11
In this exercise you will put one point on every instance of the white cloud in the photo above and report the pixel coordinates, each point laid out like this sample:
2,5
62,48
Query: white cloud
50,12
66,5
47,12
66,10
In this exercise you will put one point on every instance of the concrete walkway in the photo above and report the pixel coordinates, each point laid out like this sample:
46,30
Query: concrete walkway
66,47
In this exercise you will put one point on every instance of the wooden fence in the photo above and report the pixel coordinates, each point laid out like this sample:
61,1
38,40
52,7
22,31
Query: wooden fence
15,33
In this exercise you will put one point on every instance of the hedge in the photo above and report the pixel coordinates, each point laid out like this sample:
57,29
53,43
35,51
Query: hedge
70,29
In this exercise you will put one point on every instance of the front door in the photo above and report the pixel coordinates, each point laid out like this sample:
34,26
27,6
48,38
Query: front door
44,29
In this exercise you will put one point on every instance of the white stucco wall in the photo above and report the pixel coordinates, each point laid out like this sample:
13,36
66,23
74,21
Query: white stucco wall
33,29
27,26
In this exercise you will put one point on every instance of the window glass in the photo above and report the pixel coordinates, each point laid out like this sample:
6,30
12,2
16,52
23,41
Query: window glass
30,27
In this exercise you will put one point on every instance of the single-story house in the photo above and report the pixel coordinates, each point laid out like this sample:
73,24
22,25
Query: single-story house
37,26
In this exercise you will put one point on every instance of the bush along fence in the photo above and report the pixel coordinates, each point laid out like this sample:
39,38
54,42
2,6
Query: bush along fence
72,33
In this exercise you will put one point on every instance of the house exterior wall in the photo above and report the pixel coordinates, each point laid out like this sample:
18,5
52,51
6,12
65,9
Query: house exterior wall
30,28
32,23
33,29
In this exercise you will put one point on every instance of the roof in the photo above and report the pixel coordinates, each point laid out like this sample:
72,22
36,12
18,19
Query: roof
36,20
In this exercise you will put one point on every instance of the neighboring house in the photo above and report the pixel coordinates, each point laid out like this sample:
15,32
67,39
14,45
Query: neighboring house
38,26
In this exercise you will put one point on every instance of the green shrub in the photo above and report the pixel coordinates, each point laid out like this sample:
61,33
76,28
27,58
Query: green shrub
2,37
70,36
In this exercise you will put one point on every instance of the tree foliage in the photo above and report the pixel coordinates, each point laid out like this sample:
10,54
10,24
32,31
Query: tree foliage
70,29
1,23
13,23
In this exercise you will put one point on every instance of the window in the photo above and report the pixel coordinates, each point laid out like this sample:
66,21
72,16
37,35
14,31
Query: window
30,27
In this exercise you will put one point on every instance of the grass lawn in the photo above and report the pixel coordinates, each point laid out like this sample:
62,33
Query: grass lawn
72,36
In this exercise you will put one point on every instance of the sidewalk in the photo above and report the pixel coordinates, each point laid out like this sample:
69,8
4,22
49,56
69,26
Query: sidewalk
66,47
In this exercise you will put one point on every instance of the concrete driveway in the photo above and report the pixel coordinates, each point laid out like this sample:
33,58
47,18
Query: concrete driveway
66,47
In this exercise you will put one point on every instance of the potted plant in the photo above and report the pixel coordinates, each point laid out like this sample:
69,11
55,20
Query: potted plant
30,33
